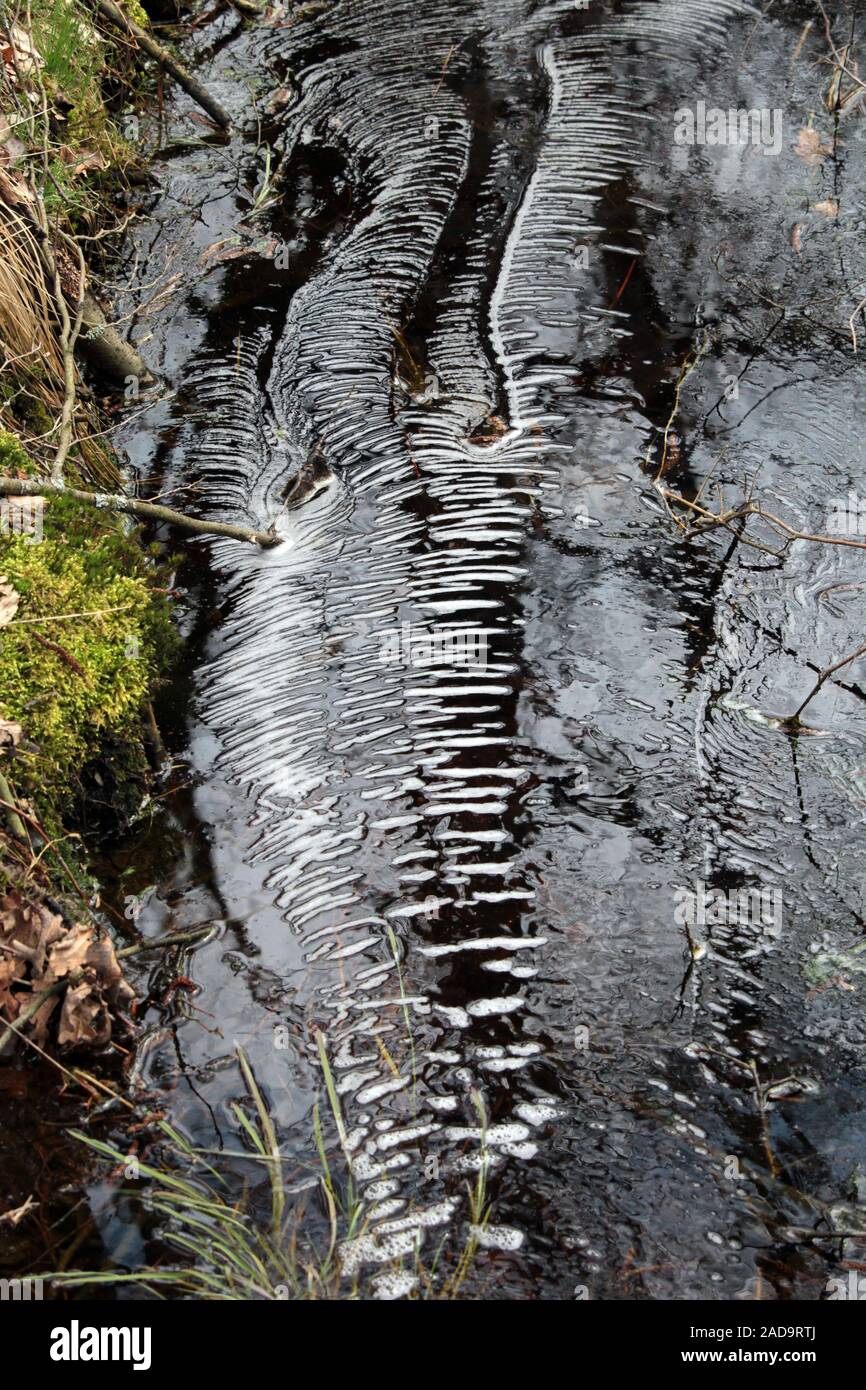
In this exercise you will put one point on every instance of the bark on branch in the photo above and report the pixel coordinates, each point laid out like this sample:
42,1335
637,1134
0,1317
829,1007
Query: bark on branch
105,350
115,15
147,511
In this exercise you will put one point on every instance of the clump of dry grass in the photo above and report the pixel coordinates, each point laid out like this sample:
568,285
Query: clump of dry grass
58,145
32,362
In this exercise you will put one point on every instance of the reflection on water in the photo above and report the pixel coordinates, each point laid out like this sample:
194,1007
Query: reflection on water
463,746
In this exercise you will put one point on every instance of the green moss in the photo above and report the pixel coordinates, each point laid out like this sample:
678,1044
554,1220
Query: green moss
137,14
13,456
76,61
89,584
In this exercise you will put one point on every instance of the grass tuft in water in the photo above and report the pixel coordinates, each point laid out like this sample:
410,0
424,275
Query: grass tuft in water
231,1254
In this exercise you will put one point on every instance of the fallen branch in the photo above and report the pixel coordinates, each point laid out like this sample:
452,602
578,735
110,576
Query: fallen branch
106,351
146,511
200,95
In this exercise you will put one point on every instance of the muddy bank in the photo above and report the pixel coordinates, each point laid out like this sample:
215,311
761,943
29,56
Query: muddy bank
86,629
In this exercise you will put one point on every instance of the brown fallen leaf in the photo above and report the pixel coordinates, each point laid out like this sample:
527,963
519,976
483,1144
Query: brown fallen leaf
19,51
282,97
38,951
15,191
202,120
102,958
12,150
83,1018
69,953
82,159
27,931
796,238
829,207
809,146
491,429
213,252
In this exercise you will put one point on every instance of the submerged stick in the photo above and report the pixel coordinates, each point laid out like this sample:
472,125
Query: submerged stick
115,15
147,511
828,671
162,943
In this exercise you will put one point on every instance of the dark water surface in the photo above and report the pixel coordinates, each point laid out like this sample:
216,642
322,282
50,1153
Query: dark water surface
484,265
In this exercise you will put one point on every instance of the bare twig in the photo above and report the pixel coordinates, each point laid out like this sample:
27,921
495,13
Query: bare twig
834,50
69,331
725,518
860,306
163,943
827,672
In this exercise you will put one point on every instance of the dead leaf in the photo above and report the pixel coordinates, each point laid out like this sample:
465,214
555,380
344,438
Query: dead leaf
809,146
829,207
202,120
19,52
70,952
9,601
27,931
37,950
796,239
281,98
102,958
83,1018
491,429
12,150
82,159
15,191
